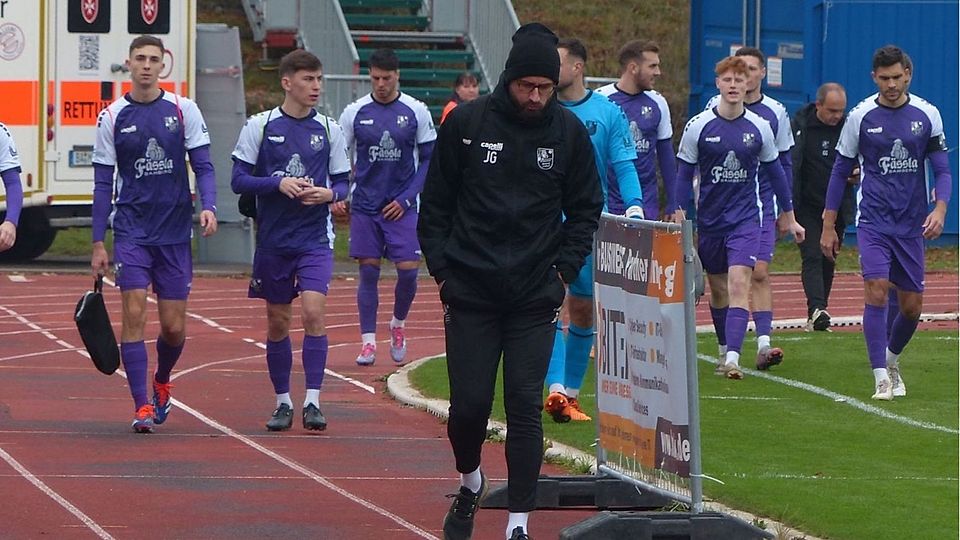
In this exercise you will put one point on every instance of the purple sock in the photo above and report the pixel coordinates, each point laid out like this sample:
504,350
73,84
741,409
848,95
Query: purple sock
901,331
134,355
719,316
279,364
404,292
893,309
764,322
368,298
736,328
167,356
314,360
874,332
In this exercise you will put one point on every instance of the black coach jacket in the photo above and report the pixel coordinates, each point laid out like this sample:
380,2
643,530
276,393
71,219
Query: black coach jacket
813,154
508,203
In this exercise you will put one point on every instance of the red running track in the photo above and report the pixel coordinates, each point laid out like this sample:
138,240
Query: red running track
70,467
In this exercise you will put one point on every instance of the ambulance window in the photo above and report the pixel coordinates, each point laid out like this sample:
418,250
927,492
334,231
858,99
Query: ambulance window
148,17
88,16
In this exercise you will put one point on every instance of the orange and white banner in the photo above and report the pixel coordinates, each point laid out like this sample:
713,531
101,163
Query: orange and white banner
641,355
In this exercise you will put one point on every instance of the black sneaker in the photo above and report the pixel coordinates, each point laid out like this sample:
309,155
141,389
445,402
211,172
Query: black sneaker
458,523
282,418
313,419
519,534
820,319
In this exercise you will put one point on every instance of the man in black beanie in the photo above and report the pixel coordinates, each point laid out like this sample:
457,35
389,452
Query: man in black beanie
506,169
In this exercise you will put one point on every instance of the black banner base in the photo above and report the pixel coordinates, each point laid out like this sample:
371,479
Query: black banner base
557,492
663,525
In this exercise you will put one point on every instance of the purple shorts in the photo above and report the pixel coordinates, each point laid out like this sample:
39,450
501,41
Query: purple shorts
767,241
375,237
738,248
279,278
169,268
901,260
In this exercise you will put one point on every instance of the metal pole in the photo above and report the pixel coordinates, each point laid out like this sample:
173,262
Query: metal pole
693,393
756,26
743,25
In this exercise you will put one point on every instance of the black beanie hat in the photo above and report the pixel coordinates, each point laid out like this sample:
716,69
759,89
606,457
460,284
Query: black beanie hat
534,53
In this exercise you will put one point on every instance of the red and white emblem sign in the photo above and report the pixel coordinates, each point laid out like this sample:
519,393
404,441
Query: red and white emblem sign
148,10
90,9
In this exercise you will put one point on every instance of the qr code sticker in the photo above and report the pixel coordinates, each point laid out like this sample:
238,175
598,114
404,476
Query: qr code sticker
89,53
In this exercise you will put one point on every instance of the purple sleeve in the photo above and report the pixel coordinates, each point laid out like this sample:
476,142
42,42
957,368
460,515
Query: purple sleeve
786,162
102,199
408,197
14,191
206,177
243,181
684,180
781,188
339,184
842,167
668,170
941,174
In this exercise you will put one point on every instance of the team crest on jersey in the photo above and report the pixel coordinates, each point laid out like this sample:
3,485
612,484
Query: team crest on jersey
90,9
748,139
646,111
545,158
916,127
316,141
402,120
172,123
591,127
149,10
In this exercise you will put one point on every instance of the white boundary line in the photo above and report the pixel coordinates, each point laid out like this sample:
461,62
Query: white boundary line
226,431
30,477
838,398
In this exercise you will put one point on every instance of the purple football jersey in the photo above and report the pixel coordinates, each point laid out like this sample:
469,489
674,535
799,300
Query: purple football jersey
148,143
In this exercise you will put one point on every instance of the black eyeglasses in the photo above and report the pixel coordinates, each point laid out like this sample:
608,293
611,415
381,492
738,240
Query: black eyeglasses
528,87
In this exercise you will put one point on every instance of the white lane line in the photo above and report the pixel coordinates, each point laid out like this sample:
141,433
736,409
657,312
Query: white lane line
297,477
303,470
884,479
743,398
227,431
62,343
30,477
839,398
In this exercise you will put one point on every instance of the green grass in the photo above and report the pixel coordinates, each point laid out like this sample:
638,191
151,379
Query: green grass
75,242
787,259
823,467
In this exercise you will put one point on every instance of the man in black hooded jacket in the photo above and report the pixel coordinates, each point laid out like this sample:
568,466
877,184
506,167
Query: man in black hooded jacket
816,129
509,208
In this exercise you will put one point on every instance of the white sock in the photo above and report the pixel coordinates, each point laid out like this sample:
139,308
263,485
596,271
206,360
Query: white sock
396,323
284,398
763,342
557,387
722,351
313,397
733,358
369,338
472,480
880,374
892,359
517,519
573,392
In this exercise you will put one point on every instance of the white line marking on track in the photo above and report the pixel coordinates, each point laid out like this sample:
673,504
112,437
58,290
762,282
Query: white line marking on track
303,470
839,398
227,431
30,477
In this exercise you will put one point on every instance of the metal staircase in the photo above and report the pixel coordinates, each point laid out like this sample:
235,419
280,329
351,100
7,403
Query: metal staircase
435,40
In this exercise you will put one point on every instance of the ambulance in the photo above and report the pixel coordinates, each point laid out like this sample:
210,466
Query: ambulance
61,63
